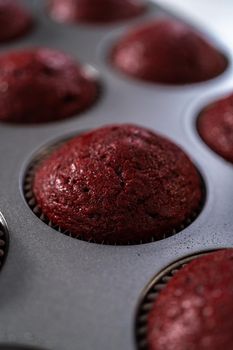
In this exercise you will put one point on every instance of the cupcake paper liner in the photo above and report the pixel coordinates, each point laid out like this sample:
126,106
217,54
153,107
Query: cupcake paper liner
32,203
4,240
150,295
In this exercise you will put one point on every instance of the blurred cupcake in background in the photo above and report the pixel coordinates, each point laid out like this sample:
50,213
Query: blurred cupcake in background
15,20
42,85
95,11
169,52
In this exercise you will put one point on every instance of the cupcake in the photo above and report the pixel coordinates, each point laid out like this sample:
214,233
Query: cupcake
118,185
15,20
95,11
194,311
42,85
169,52
215,125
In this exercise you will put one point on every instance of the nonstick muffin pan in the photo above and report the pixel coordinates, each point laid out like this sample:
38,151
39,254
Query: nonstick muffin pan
61,293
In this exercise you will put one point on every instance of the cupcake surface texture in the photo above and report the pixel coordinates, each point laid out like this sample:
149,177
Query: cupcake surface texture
15,20
95,11
168,52
118,184
215,126
194,311
42,85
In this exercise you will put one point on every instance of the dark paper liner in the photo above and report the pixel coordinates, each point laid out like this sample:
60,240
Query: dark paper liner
4,240
31,200
151,293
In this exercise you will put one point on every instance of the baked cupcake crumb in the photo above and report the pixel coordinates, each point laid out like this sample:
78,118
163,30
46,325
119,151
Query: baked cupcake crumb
43,85
95,11
15,20
119,184
215,125
169,52
194,310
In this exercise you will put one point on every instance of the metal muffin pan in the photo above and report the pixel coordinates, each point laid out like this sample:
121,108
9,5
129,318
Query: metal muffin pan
60,293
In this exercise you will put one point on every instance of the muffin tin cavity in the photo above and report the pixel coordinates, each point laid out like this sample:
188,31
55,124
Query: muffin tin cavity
150,295
4,240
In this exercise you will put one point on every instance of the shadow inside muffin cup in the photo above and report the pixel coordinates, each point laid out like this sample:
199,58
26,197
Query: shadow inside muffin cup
44,153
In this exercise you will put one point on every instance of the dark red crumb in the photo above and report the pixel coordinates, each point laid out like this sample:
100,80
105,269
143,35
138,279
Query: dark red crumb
42,85
95,11
215,126
15,20
118,184
167,51
194,311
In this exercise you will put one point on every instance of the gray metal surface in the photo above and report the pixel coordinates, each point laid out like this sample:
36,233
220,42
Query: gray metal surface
59,293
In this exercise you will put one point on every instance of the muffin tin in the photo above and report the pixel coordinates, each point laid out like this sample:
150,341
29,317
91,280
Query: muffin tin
62,293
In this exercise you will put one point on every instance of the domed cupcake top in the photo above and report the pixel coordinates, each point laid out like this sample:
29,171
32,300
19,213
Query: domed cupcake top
42,85
15,20
215,125
118,184
95,11
194,311
169,52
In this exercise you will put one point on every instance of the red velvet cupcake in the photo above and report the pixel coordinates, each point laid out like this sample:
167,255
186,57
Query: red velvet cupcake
215,126
15,20
118,184
168,52
194,311
42,85
95,11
